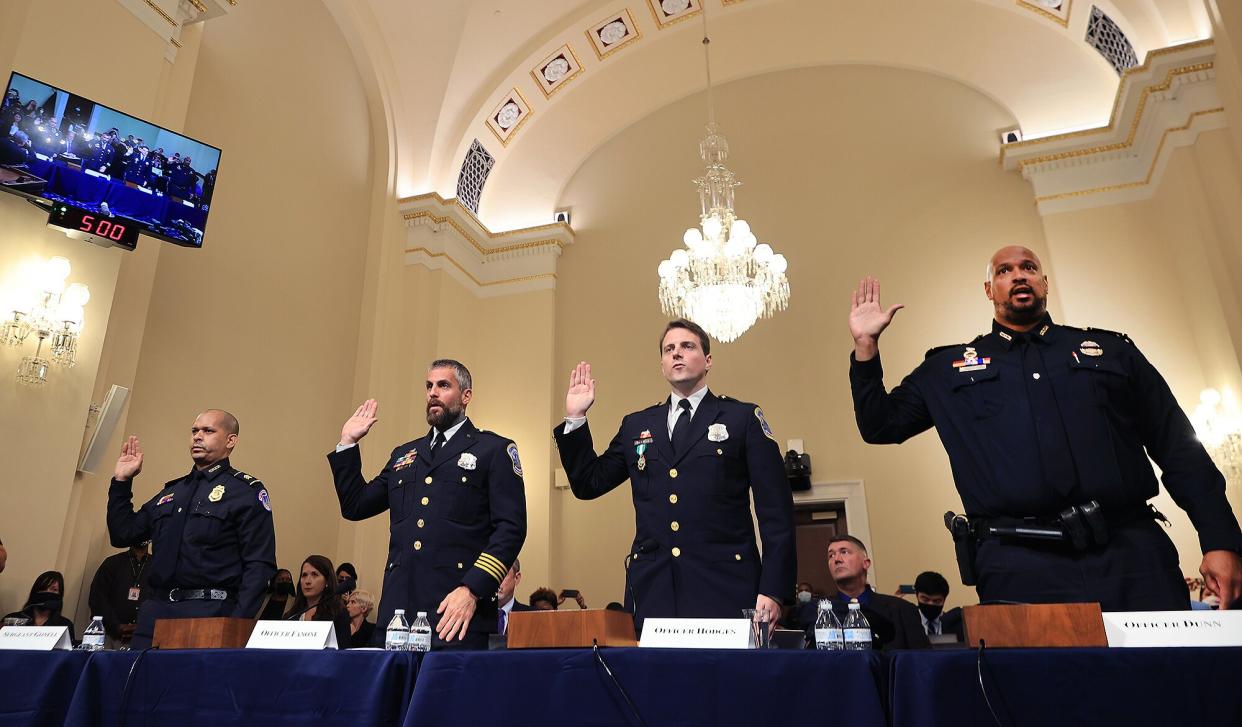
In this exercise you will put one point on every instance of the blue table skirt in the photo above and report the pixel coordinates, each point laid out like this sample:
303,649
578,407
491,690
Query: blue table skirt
1193,686
36,687
668,687
239,687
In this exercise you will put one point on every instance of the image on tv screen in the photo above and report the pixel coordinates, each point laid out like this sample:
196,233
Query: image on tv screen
62,147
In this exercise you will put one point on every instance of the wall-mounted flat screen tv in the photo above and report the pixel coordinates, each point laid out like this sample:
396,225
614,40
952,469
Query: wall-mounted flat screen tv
63,148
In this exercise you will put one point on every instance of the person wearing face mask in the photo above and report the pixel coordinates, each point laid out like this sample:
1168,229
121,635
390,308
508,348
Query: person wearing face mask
280,594
44,603
213,542
457,505
930,591
796,613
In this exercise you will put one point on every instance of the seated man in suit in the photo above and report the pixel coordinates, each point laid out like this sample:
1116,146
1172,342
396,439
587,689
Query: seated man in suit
894,622
930,590
506,602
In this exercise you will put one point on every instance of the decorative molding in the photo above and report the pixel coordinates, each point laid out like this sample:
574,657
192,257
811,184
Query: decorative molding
1139,73
596,32
1162,105
852,494
563,63
502,122
666,17
166,18
1059,15
444,235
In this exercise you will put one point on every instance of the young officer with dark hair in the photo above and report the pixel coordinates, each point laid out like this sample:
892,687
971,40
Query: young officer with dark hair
693,461
457,506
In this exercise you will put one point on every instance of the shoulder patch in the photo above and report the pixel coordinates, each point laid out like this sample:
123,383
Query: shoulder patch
763,424
933,351
511,450
253,481
1122,336
265,499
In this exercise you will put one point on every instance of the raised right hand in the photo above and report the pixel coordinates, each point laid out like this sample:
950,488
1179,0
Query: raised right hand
581,393
357,426
129,464
868,319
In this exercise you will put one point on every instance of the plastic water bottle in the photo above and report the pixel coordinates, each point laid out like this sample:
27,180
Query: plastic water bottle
420,633
93,637
828,629
398,634
857,630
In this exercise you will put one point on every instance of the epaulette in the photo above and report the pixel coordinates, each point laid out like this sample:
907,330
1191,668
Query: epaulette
725,397
252,481
938,349
1118,334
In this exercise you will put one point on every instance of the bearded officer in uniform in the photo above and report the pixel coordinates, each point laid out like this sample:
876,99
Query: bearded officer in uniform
457,507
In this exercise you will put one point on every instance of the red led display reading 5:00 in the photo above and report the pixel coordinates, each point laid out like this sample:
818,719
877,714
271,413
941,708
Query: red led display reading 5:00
102,227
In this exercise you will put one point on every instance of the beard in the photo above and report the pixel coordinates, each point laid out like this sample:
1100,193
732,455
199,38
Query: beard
446,417
1027,313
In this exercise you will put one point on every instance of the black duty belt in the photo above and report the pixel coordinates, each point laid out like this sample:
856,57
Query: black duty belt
1081,526
177,595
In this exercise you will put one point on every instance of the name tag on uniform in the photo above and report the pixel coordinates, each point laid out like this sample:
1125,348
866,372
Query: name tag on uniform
292,635
1173,628
134,594
35,638
696,633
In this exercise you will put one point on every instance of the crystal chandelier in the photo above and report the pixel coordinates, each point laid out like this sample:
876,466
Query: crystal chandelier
43,306
724,279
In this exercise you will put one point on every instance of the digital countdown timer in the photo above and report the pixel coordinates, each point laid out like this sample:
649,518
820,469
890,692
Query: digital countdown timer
94,227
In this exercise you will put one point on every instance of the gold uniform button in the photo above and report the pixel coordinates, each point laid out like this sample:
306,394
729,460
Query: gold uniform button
418,545
399,481
673,473
459,566
420,522
673,498
676,552
426,500
674,526
463,479
737,556
428,480
720,451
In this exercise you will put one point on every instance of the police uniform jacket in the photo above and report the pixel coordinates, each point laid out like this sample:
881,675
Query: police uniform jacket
1035,422
694,551
457,517
228,542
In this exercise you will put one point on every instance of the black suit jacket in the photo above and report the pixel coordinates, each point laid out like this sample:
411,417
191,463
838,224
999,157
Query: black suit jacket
519,606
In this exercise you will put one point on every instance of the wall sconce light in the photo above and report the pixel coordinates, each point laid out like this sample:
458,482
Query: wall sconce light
41,304
1220,429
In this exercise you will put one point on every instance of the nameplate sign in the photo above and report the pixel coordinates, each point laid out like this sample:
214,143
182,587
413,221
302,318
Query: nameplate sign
696,633
1174,628
35,638
292,635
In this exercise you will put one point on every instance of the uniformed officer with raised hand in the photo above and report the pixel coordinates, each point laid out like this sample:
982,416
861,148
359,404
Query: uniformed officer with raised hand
213,542
457,508
1048,429
693,461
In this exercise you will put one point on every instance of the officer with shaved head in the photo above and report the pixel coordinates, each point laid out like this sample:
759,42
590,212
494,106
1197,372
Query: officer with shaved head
1049,430
213,543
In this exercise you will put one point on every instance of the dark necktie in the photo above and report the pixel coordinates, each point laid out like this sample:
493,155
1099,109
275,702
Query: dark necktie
500,622
168,547
681,428
438,445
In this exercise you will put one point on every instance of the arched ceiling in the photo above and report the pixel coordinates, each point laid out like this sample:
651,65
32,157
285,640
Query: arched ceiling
440,70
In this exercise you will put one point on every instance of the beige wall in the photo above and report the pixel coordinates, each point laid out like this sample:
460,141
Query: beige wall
848,171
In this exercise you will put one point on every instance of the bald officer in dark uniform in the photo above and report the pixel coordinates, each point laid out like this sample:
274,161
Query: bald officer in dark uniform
1048,430
213,543
693,461
457,506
